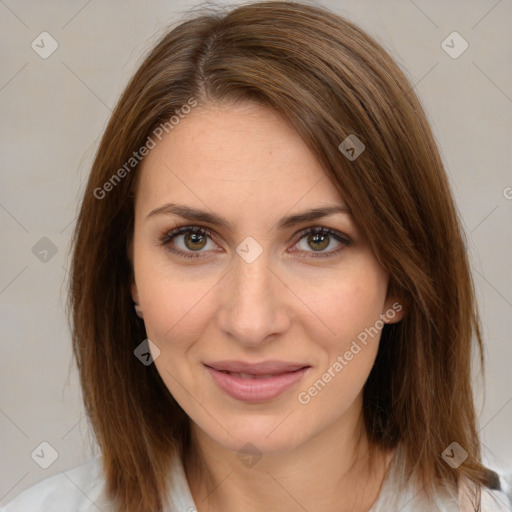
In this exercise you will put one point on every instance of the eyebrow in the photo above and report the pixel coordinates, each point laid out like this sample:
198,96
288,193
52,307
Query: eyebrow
190,213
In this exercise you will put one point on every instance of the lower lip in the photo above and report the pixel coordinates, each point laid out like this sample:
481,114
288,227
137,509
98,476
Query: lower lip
256,390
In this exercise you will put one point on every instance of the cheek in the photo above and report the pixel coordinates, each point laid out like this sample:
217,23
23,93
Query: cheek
172,301
352,312
179,310
350,306
174,310
176,315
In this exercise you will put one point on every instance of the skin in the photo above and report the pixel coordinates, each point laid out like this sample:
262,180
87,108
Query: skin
248,165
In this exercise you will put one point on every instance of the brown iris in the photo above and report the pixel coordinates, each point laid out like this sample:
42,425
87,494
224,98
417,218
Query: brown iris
195,241
318,238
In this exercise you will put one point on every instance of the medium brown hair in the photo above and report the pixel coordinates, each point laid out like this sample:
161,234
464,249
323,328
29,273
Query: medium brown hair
330,80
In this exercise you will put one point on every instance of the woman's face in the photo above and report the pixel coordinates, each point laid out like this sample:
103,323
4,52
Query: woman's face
266,330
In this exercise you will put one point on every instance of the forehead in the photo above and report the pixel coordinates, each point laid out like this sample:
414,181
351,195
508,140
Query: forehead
241,156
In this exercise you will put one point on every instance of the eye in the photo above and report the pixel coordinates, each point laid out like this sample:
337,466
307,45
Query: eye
320,238
189,241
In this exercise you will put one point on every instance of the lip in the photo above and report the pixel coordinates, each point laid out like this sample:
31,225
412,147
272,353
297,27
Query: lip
255,382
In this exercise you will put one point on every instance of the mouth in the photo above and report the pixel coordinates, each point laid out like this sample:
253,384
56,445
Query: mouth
255,382
250,375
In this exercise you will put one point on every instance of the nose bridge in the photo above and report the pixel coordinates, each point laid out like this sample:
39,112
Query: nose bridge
250,308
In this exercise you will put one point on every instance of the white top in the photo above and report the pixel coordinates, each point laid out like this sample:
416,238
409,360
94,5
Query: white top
80,490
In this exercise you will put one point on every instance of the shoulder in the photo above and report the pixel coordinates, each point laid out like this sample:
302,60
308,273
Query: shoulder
81,489
400,491
500,498
75,490
495,499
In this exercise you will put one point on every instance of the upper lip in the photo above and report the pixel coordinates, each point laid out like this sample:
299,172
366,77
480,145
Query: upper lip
262,368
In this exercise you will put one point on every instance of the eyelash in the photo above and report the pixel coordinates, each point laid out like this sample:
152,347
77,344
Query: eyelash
169,236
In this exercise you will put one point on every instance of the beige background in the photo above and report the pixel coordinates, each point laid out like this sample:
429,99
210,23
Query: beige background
53,112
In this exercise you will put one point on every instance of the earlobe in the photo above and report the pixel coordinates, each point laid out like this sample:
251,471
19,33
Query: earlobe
395,305
135,298
394,311
138,310
135,292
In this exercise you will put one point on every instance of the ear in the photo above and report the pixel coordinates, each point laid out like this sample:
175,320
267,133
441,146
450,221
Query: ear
394,311
135,292
395,306
135,297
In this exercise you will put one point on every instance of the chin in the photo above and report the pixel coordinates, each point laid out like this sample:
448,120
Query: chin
260,433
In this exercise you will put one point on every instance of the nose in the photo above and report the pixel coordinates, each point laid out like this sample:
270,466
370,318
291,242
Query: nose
252,303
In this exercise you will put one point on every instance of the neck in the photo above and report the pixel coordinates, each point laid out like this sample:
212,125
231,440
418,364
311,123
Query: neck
334,471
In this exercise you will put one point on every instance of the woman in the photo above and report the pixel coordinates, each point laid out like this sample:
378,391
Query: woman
271,299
